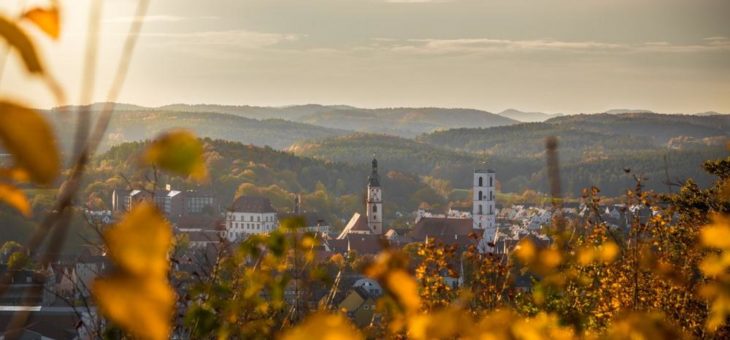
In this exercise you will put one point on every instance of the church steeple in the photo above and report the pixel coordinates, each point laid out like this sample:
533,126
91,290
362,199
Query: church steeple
374,179
374,205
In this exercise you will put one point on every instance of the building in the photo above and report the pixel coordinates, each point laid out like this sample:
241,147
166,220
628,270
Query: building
313,222
249,215
374,207
483,208
174,203
371,223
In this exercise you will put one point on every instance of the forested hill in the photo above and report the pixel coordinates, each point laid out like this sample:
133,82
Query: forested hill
585,135
395,152
404,122
334,189
519,160
140,124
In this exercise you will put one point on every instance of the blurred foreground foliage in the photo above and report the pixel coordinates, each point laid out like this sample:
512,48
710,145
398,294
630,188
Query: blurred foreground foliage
668,276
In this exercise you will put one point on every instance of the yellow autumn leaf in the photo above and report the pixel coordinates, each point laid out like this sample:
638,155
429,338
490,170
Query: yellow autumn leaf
15,198
46,19
585,256
717,234
178,152
28,137
608,251
525,251
550,257
141,305
325,327
15,174
405,289
140,242
19,41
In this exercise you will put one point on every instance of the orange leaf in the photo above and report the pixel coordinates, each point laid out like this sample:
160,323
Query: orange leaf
142,305
46,19
140,242
17,39
15,198
27,136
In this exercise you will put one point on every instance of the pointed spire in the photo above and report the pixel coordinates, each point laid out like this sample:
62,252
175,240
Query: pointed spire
374,179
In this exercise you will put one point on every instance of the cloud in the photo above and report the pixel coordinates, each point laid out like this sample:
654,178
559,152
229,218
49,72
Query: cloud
233,38
149,18
486,45
156,18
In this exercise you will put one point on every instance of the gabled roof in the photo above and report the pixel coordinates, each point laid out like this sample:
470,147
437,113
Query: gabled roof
252,204
360,243
358,224
446,230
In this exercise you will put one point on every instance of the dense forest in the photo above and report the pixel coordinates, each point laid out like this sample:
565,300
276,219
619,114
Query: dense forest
518,158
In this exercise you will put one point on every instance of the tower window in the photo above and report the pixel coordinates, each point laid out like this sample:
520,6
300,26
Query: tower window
375,208
491,181
480,195
480,181
480,209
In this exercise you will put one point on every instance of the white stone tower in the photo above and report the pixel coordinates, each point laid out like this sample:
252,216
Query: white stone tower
483,208
375,202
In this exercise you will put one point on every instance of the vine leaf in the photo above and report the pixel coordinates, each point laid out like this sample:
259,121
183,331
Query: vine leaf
137,295
18,40
324,326
140,242
27,136
178,152
142,306
47,19
15,198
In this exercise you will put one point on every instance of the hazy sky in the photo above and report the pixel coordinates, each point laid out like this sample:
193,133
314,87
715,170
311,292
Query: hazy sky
540,55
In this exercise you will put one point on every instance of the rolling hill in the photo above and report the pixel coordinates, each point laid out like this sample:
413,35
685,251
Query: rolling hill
140,124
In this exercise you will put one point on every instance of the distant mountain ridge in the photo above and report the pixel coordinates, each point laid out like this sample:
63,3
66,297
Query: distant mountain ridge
527,117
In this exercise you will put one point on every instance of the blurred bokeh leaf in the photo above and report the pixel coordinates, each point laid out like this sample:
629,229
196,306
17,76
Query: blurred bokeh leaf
143,305
18,40
138,296
140,242
15,198
28,137
178,152
324,326
47,19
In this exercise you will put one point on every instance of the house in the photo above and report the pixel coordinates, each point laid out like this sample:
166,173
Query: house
359,305
313,222
28,287
249,215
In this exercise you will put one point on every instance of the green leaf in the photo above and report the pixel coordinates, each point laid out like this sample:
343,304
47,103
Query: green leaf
178,152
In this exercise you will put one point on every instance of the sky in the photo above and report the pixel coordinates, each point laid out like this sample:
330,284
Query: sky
555,56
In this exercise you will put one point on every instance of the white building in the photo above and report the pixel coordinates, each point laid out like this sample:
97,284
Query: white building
483,208
249,215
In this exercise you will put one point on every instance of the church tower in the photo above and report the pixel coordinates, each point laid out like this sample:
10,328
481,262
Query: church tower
375,202
483,208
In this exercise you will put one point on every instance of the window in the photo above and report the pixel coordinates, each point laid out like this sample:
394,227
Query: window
480,195
491,181
480,209
375,208
480,181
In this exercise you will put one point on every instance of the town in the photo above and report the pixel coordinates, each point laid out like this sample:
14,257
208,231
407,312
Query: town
206,229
